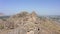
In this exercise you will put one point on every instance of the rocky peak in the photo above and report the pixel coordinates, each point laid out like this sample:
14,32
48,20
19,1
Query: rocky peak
33,13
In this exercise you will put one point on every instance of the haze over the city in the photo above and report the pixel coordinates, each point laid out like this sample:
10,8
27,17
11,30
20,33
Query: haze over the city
42,7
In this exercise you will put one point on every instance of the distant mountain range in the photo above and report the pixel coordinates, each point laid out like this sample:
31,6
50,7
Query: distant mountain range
1,14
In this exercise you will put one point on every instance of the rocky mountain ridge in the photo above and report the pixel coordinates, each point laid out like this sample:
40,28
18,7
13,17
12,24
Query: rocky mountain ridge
27,23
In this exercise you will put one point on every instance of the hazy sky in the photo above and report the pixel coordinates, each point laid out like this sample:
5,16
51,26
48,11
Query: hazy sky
42,7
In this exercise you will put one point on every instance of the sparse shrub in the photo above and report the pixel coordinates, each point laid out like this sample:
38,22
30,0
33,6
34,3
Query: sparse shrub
1,27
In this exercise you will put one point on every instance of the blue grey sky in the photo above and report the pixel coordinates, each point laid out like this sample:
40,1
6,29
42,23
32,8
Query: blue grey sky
42,7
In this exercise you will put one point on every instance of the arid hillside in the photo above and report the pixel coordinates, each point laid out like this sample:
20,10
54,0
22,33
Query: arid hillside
28,23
